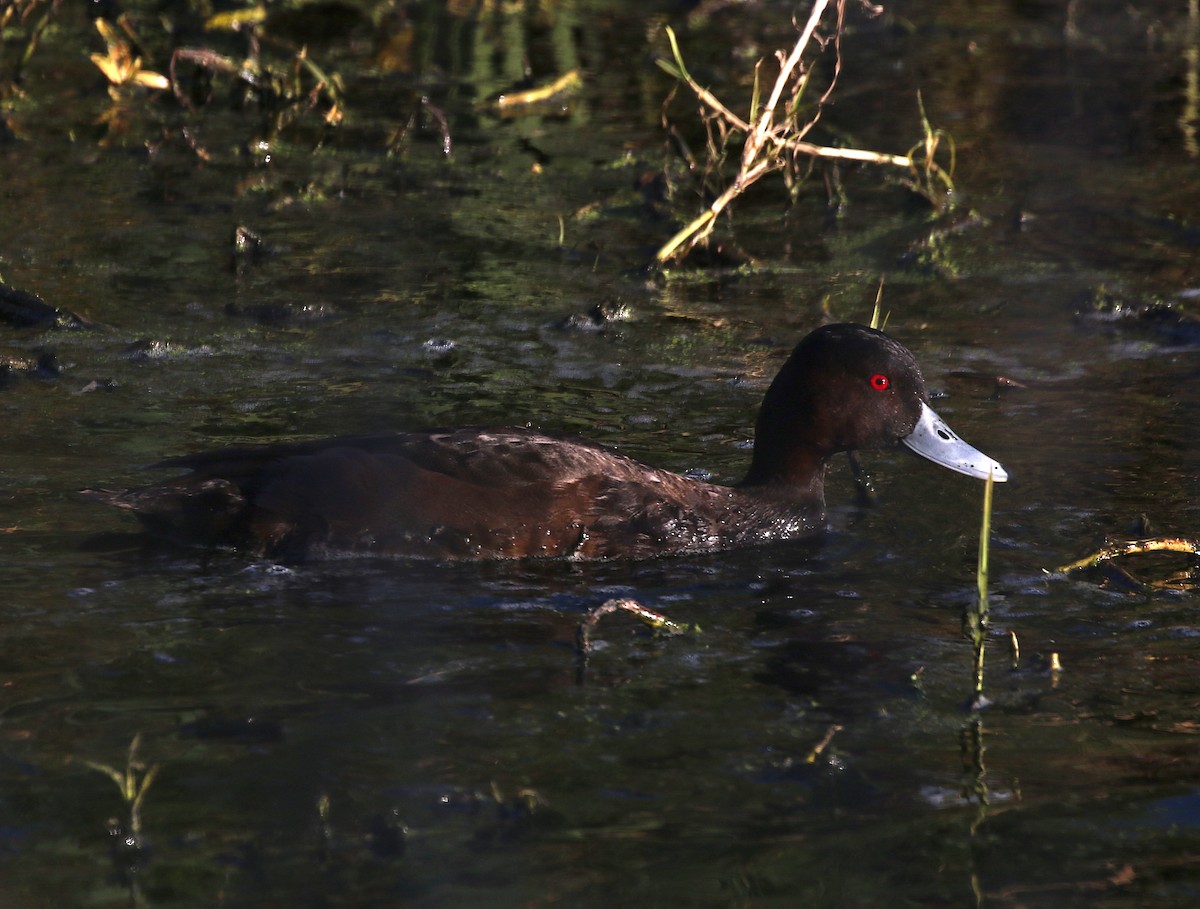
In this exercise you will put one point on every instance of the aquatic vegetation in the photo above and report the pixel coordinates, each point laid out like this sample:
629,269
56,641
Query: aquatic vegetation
773,134
651,618
285,86
260,69
425,111
555,91
134,782
655,620
120,63
30,18
284,61
976,618
1102,559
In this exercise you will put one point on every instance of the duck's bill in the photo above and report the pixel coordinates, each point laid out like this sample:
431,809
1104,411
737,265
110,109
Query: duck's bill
933,439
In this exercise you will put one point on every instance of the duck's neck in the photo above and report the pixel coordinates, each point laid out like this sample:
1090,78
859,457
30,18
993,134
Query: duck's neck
793,472
785,460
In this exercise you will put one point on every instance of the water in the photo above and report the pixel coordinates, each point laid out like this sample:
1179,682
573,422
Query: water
371,734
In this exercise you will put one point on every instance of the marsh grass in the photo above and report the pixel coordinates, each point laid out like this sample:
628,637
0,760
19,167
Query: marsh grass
133,781
976,618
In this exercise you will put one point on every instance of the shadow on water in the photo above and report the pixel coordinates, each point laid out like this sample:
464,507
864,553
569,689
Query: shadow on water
381,733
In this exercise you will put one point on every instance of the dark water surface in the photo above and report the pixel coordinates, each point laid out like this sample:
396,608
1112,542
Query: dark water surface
381,734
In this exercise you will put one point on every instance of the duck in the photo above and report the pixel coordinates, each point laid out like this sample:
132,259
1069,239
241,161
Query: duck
517,493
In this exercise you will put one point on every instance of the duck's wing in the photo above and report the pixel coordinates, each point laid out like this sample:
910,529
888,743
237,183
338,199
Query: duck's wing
454,493
468,493
506,456
465,493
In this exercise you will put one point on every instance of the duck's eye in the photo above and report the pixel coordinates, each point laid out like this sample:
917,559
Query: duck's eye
880,382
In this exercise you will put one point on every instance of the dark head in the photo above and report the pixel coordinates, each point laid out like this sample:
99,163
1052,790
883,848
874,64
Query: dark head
847,387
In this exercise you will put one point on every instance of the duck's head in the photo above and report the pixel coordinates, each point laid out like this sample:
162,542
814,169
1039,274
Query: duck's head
848,387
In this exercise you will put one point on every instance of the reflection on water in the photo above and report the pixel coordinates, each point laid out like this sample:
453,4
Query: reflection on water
378,734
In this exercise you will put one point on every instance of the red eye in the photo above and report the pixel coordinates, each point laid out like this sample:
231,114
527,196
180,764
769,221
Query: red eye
880,382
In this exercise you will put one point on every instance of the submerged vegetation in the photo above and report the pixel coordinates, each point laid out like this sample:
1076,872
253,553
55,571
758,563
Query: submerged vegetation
172,68
255,78
285,234
30,19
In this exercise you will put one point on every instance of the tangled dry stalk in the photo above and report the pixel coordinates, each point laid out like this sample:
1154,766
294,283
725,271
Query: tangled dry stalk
774,132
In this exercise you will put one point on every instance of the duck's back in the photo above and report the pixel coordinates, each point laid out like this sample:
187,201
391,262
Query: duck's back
467,493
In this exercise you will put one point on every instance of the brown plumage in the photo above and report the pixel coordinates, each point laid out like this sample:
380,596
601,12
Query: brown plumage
514,493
